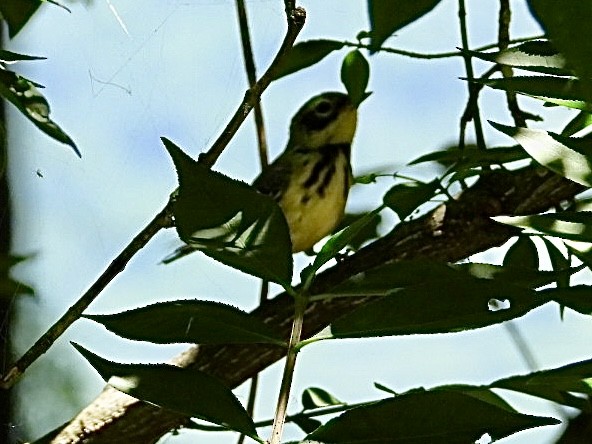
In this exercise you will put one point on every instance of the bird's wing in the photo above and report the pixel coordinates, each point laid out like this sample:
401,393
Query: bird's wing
274,179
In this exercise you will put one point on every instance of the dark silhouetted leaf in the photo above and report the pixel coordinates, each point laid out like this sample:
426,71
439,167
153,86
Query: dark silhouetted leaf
17,13
404,198
188,391
426,417
388,16
193,321
305,54
523,253
9,56
230,221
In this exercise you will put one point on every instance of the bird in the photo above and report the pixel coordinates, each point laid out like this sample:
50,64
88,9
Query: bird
311,178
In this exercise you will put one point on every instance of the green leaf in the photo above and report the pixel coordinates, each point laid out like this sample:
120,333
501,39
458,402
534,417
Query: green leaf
557,385
230,221
426,417
404,198
535,55
307,424
386,389
569,30
388,16
559,91
23,94
567,156
558,262
188,391
9,57
355,73
368,232
193,321
571,225
17,13
523,253
305,54
314,398
582,120
472,156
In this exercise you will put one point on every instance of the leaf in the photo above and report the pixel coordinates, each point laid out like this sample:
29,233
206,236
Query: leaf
560,91
577,297
355,73
305,423
557,385
536,55
193,321
10,57
472,156
567,156
523,253
388,16
368,232
305,54
23,94
230,221
565,26
558,262
314,398
426,417
404,198
188,391
571,225
17,13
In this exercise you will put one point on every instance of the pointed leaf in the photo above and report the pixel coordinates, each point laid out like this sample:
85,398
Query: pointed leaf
17,13
426,417
573,225
230,221
188,391
558,262
567,156
404,198
355,73
193,321
556,385
368,232
10,57
314,398
23,94
523,253
305,54
472,156
388,16
577,297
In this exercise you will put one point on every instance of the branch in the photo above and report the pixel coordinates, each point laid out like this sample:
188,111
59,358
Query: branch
451,232
296,19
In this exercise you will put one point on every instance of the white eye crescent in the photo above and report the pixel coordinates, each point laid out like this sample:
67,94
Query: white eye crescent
323,108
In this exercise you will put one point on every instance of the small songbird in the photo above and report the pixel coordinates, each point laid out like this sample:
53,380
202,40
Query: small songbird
311,179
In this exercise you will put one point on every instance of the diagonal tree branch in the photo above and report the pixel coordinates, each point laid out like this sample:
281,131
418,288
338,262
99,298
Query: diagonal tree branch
451,232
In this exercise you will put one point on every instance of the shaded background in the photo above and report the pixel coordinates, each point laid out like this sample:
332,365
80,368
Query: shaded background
174,68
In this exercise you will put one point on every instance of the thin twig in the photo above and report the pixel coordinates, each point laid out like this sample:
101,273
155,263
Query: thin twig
163,219
503,37
282,405
462,14
253,94
428,56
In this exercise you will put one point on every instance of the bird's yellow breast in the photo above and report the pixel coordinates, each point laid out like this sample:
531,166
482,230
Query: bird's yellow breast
313,210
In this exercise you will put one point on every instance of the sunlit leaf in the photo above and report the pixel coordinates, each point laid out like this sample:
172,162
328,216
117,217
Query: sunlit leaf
571,225
188,391
355,73
388,16
305,54
536,56
230,221
315,397
427,417
193,321
23,94
567,156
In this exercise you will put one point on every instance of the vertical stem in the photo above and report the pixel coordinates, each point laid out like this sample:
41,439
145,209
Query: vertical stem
473,92
300,302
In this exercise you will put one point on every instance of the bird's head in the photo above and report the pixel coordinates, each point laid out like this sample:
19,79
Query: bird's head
327,119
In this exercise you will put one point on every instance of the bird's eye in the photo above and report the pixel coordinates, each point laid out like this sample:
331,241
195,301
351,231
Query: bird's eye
324,108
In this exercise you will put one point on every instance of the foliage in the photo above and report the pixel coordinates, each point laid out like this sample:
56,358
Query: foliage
230,222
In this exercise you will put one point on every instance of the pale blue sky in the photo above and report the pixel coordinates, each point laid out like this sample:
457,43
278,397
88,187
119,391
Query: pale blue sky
178,73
